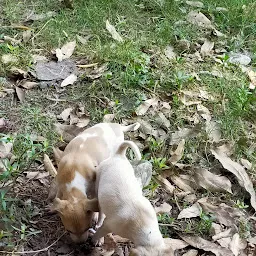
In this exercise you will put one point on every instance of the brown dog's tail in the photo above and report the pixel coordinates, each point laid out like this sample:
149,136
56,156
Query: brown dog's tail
123,147
131,127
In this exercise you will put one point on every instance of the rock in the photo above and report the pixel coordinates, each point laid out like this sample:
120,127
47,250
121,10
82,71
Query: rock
54,71
239,58
143,171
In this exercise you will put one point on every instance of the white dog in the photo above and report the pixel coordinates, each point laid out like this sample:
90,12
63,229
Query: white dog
128,213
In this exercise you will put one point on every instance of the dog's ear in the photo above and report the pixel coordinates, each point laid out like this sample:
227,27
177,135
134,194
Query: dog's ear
57,153
92,205
59,205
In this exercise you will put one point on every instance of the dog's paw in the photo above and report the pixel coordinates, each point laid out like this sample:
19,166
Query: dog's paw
98,242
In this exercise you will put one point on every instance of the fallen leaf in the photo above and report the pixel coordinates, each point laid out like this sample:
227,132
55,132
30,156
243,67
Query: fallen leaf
108,118
237,245
98,72
207,47
9,58
11,40
5,149
178,153
223,213
66,51
246,164
221,9
190,212
190,198
83,122
195,4
20,94
213,130
191,252
169,52
29,85
204,112
69,80
34,17
165,184
83,40
239,171
224,242
67,132
49,166
207,246
184,182
184,133
112,30
252,240
39,58
211,181
162,120
147,128
65,114
224,234
175,244
215,229
36,175
199,19
239,58
26,35
163,208
145,105
18,72
252,76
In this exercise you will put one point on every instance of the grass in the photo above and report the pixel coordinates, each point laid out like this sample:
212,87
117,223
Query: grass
137,69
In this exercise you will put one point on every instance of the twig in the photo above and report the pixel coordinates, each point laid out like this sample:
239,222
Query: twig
41,29
37,251
153,92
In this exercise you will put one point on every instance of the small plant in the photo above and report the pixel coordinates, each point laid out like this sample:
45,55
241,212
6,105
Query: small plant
165,219
180,78
155,145
159,163
204,224
241,205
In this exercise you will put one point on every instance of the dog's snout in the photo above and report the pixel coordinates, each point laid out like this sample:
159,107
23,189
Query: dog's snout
80,238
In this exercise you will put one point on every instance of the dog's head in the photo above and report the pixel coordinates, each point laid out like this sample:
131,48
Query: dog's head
161,250
76,216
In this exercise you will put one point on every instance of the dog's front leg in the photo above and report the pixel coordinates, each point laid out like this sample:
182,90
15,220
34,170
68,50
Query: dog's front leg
101,217
98,238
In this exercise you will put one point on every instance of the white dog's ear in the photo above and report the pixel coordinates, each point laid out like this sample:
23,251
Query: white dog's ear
59,205
92,205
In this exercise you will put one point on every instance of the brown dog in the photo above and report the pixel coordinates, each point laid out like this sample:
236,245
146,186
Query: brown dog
75,181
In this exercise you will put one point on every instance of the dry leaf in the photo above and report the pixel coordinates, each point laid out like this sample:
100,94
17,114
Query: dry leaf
237,245
69,80
195,4
207,48
147,128
212,182
65,114
12,40
224,234
98,72
190,212
163,208
35,17
111,29
165,184
83,40
67,132
39,58
83,122
224,214
207,246
108,118
29,85
184,133
49,166
36,175
145,105
204,112
5,149
26,35
66,51
178,153
239,171
246,164
175,244
224,242
252,76
213,130
199,19
169,52
20,94
19,72
9,58
184,182
162,120
191,252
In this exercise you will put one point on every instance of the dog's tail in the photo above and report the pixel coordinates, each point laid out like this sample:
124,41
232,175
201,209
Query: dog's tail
131,127
123,147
